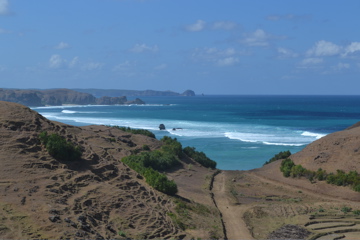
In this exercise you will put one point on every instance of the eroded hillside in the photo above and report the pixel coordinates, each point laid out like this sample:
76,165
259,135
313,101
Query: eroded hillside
95,197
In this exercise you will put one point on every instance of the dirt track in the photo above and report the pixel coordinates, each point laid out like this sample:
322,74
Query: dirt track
232,214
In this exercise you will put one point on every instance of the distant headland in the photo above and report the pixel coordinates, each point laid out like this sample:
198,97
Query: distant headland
120,92
58,97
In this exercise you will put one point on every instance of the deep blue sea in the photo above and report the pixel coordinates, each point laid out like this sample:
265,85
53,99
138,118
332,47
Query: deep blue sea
239,132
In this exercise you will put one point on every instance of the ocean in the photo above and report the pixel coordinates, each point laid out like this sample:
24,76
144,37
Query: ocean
238,132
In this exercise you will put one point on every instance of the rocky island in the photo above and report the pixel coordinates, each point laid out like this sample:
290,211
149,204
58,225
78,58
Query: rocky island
97,186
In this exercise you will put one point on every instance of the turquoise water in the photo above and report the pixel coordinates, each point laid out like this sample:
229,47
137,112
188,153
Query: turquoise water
239,132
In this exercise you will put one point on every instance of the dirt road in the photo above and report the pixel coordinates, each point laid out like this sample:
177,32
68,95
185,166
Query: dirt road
232,214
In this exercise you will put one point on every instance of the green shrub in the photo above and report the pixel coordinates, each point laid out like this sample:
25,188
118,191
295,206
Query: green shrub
155,179
340,178
171,146
199,157
356,212
286,166
59,148
159,160
320,174
160,182
297,171
346,209
356,188
280,155
146,147
135,131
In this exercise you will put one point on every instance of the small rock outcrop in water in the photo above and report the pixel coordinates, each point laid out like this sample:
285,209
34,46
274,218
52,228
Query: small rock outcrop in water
188,93
162,127
56,97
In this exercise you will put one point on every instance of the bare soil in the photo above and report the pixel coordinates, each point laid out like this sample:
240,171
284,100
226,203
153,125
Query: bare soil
100,197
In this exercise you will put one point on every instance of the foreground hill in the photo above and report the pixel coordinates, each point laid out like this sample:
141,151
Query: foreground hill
56,97
100,197
95,197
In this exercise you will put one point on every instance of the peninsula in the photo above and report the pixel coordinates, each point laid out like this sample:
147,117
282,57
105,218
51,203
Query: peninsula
57,97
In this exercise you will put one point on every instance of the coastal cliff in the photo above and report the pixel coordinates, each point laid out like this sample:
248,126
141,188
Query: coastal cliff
56,97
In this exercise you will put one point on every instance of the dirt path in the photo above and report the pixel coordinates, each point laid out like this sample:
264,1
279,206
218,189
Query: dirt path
232,214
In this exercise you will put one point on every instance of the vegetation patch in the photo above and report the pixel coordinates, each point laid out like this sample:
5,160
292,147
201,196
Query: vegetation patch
148,164
136,131
280,155
59,148
340,178
199,157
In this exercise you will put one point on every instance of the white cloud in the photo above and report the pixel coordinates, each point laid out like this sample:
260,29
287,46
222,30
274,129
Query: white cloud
196,27
161,66
123,66
219,57
324,48
229,61
62,45
342,66
139,48
259,38
311,61
286,53
74,62
351,48
4,7
224,25
56,61
92,66
126,68
290,17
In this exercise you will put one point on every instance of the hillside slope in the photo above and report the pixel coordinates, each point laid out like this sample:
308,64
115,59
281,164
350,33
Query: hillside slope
95,197
336,151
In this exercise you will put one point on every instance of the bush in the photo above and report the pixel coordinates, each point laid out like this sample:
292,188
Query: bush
297,171
346,209
160,182
159,160
356,188
199,157
155,179
280,155
135,131
171,146
286,166
320,174
59,148
146,147
340,178
356,212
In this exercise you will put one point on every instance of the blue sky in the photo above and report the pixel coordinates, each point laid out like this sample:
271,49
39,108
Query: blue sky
209,46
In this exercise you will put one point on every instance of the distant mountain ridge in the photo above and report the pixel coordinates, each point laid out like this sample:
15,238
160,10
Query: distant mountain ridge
121,92
57,97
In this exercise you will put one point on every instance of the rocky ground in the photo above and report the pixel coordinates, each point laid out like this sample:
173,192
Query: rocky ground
100,197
